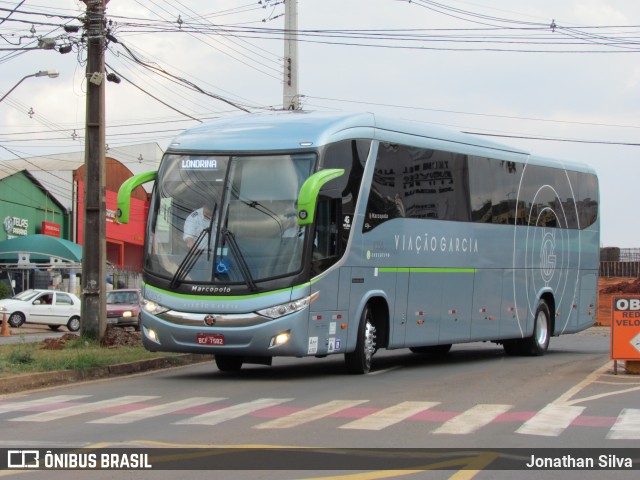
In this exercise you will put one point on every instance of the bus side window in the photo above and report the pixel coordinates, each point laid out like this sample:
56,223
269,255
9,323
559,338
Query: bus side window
327,241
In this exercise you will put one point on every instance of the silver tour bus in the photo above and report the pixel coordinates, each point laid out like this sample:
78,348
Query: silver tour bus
313,234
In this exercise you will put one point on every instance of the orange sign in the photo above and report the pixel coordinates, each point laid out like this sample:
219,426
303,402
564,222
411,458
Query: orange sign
51,229
625,327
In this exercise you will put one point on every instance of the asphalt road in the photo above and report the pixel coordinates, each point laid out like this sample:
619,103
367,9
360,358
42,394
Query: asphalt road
473,398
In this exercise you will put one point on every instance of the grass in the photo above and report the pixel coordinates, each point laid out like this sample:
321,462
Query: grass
80,354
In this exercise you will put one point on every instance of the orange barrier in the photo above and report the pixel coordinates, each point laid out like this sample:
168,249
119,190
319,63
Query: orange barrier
6,331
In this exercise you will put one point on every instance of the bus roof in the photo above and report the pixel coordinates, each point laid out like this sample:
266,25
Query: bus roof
302,130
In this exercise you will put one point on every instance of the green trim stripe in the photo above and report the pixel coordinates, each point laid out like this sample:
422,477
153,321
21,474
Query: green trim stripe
218,298
426,270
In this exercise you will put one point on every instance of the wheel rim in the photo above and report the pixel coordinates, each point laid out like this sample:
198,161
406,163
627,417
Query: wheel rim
369,343
542,329
15,320
74,324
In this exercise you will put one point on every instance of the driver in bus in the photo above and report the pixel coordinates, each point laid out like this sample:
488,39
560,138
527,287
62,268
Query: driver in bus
196,222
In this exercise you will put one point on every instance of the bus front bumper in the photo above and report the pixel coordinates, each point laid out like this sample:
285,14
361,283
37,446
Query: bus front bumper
285,336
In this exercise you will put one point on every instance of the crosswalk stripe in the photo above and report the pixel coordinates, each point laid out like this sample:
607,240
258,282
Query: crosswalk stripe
235,411
16,406
310,414
551,421
81,409
472,419
627,426
157,410
389,416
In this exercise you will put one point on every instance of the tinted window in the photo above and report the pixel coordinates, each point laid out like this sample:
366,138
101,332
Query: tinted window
337,202
420,183
493,186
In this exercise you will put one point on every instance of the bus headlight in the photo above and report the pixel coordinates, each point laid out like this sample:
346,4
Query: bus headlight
278,311
127,314
153,307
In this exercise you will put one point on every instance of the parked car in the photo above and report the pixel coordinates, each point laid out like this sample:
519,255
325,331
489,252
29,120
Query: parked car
48,307
123,307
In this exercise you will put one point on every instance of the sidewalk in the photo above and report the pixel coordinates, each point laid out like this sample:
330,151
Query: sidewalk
31,333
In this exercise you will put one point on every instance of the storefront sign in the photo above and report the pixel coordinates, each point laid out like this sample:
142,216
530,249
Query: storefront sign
51,229
16,226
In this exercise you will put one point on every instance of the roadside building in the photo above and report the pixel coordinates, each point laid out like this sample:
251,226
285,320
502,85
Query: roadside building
45,195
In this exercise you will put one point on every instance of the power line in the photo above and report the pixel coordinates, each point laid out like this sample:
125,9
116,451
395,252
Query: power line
551,139
510,117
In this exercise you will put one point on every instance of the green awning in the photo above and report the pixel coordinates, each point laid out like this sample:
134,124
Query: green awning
39,248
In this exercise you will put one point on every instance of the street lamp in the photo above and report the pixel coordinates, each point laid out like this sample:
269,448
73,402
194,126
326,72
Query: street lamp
41,73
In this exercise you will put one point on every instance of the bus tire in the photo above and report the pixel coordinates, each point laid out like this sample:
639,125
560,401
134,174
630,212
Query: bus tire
538,343
359,361
435,350
229,363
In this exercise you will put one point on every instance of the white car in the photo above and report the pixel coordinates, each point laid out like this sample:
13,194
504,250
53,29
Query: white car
48,307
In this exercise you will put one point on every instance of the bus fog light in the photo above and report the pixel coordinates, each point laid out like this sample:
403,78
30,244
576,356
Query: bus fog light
151,334
280,339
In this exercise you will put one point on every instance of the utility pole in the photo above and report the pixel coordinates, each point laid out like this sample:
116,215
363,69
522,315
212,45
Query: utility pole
94,246
290,93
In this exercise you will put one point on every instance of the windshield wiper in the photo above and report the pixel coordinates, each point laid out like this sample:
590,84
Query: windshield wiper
188,261
242,263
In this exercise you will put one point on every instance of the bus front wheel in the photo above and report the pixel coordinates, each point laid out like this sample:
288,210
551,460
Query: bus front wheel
229,363
359,361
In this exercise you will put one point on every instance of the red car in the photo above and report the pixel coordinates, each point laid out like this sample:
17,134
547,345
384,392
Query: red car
123,307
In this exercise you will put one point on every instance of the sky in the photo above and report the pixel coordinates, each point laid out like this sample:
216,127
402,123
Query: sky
559,78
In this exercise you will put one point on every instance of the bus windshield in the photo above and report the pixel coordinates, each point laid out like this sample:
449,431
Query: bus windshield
223,219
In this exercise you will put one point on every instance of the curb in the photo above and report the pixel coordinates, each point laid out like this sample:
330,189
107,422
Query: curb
31,381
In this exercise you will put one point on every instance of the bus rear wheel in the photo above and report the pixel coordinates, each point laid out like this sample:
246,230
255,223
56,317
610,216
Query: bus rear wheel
538,343
359,361
229,363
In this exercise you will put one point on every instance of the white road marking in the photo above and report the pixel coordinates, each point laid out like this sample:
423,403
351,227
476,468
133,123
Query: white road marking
16,406
389,416
551,421
157,410
627,426
310,414
565,398
473,419
230,413
69,411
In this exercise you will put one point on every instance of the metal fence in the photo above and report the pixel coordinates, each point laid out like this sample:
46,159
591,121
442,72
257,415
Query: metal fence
620,262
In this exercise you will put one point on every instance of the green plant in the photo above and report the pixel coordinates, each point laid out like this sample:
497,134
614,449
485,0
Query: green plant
4,290
21,355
